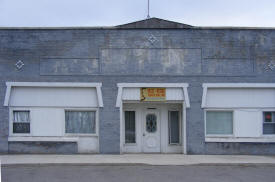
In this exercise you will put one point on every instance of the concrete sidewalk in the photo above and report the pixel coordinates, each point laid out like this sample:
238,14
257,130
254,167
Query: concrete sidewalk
134,159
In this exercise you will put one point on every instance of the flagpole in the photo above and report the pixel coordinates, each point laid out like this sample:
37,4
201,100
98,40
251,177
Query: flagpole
148,16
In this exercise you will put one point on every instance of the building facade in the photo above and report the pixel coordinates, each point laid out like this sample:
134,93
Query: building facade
152,86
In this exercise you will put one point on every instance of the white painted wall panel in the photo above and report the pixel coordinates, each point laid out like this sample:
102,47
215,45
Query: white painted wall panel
47,121
240,97
248,123
174,94
131,94
134,94
88,144
57,97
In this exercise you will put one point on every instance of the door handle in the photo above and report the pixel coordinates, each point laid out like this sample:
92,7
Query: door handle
143,134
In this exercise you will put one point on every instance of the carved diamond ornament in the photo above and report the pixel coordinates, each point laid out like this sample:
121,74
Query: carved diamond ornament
19,64
270,66
152,39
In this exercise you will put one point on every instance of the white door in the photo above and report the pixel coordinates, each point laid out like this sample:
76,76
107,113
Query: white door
151,131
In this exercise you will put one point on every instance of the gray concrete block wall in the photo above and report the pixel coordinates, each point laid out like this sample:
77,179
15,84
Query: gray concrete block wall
226,56
4,125
42,147
109,125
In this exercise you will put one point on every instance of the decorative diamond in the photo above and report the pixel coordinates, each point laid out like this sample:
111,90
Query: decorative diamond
152,39
19,64
270,66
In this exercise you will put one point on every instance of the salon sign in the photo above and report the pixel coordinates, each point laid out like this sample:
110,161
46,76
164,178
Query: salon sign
152,94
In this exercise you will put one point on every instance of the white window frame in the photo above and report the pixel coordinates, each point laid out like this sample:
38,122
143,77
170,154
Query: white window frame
266,135
96,110
65,138
124,134
11,109
180,127
270,138
220,135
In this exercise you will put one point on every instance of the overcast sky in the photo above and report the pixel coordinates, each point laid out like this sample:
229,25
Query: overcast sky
18,13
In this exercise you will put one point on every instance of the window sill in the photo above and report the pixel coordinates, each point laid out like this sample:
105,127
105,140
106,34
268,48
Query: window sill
243,139
130,144
80,135
41,139
174,144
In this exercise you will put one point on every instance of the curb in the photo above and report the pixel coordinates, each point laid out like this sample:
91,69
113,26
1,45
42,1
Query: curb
135,164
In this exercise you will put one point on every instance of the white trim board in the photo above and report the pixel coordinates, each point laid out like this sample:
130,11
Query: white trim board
184,86
248,140
39,139
238,85
166,85
7,96
205,87
53,84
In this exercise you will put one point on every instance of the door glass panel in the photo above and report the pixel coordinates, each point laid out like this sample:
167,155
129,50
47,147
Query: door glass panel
151,123
174,127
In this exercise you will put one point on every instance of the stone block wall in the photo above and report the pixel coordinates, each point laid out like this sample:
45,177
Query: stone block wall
112,56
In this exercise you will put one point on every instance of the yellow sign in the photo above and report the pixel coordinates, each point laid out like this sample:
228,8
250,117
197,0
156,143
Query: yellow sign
152,94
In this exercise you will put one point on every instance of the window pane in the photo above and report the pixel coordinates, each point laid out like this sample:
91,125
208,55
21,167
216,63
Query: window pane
174,127
80,121
269,123
21,116
269,128
151,123
130,127
267,117
21,122
219,122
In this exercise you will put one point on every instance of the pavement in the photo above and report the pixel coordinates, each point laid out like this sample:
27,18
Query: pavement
137,173
137,159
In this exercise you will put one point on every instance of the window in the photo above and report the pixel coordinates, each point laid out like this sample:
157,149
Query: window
269,123
130,127
151,123
174,127
82,122
219,122
21,122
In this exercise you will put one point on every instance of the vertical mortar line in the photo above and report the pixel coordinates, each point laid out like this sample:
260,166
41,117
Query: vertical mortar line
252,57
99,62
201,62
